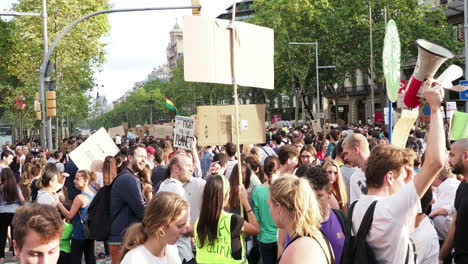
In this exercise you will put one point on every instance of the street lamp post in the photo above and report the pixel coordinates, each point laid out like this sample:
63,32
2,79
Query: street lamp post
317,67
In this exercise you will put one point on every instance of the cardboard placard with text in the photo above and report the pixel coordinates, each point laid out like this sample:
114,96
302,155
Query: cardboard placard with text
160,131
217,124
96,148
183,132
114,131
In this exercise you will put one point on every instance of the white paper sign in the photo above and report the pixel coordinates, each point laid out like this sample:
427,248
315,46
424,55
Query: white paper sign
183,132
207,52
96,148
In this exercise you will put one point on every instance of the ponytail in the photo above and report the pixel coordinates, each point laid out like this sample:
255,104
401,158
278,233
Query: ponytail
134,236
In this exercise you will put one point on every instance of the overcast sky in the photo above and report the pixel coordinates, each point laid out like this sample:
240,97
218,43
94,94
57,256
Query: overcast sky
137,41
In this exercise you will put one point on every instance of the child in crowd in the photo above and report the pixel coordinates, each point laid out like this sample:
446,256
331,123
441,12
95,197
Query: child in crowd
65,240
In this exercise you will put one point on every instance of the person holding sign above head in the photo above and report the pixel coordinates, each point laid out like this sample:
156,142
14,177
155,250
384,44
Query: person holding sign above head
218,237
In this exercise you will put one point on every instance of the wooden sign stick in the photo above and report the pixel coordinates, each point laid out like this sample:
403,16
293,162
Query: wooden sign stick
236,99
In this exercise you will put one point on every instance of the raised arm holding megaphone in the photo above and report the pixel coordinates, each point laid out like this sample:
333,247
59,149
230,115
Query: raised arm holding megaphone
430,57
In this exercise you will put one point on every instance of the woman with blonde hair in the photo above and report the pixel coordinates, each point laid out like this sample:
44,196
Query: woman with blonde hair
294,207
339,200
154,239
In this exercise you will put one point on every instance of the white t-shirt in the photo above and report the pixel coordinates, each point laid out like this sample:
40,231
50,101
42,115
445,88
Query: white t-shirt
394,217
44,197
445,199
229,166
427,242
357,185
141,255
347,172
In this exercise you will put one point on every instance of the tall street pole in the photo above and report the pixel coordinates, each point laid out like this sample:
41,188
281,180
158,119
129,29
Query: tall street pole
371,63
45,121
317,79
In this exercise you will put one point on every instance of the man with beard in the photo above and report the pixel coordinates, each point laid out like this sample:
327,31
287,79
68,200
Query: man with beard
127,200
457,236
180,171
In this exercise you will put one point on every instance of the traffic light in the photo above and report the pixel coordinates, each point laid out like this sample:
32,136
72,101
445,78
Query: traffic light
37,107
51,104
196,11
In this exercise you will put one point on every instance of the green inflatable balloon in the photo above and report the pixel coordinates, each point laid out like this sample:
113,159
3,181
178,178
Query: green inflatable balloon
391,60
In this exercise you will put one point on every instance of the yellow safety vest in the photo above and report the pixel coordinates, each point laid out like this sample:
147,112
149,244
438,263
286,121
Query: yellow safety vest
220,251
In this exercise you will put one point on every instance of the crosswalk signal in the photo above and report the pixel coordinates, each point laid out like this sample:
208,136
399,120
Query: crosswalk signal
196,11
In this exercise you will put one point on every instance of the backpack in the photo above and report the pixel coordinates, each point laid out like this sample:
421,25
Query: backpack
346,227
358,250
99,214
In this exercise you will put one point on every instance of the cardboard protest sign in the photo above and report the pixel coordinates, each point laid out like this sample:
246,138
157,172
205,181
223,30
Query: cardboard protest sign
402,128
317,126
217,124
207,56
114,131
96,148
160,131
459,126
183,132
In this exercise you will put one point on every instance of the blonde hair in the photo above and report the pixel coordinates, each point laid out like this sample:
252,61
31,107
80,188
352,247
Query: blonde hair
356,140
338,186
162,210
297,197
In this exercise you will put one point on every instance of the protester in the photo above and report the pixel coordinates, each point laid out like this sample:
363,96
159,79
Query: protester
207,158
392,183
331,224
356,151
267,238
10,200
288,156
109,170
458,233
424,235
339,199
153,240
231,150
127,201
36,231
81,244
234,202
446,185
218,237
47,184
180,171
307,155
293,207
218,166
65,240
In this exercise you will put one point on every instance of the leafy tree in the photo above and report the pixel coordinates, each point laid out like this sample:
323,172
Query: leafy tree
75,57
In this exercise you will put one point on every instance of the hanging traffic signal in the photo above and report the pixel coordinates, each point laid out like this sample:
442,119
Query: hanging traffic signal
37,107
51,104
196,11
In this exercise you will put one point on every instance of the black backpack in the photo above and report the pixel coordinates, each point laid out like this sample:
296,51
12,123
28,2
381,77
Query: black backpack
99,214
358,250
346,227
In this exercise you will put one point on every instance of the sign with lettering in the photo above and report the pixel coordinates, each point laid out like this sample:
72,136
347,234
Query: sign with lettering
183,132
96,148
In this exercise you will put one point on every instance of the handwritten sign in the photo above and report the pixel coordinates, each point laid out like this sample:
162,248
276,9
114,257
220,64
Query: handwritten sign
183,132
96,148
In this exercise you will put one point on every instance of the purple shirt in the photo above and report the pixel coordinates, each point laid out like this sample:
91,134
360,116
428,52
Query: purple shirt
334,232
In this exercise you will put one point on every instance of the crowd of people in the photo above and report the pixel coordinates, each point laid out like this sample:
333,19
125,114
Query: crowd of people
302,197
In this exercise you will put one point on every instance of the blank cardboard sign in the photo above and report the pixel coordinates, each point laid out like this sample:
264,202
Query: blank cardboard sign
207,52
216,124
